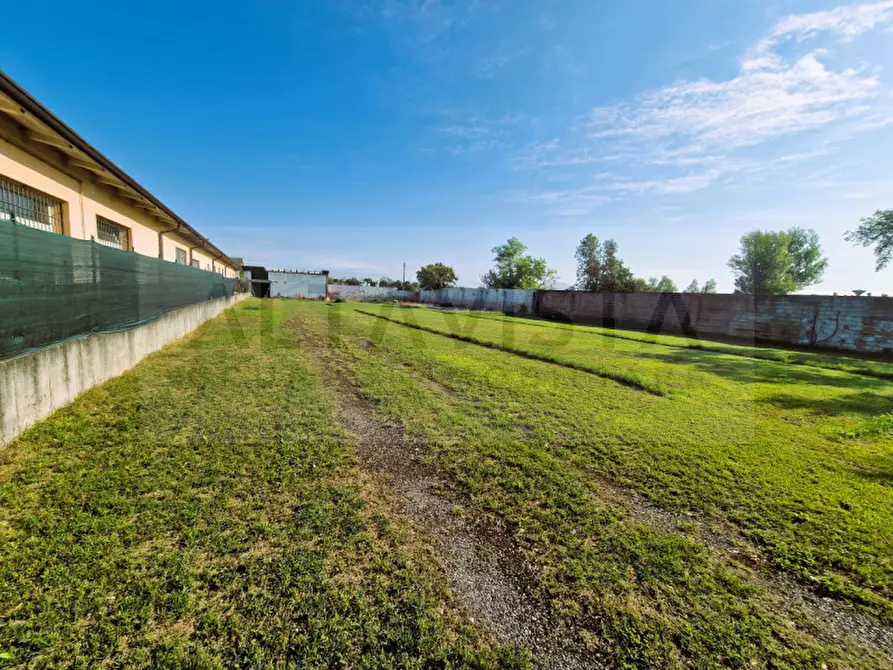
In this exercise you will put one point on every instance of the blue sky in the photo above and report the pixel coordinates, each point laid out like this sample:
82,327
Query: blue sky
358,135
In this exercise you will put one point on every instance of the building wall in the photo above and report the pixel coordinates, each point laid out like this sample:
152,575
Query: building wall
297,285
83,201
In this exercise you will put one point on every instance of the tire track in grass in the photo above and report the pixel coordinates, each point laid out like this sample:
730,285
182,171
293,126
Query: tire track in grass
700,345
485,567
629,381
836,622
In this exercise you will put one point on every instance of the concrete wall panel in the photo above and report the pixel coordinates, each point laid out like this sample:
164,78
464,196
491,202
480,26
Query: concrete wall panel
34,385
371,293
837,322
508,301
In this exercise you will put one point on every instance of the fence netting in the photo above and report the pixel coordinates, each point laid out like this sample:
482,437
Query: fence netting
54,287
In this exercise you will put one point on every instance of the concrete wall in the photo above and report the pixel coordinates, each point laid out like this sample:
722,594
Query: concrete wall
836,322
34,385
82,202
297,285
370,293
508,301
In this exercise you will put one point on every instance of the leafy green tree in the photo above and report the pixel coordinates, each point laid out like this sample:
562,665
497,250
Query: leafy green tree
877,231
708,287
599,268
436,276
778,263
515,269
662,285
368,281
641,285
352,281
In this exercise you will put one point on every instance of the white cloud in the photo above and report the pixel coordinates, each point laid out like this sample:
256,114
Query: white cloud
694,134
757,105
847,21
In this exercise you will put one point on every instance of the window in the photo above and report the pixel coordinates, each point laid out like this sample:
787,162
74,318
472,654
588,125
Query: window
181,256
110,234
195,263
29,207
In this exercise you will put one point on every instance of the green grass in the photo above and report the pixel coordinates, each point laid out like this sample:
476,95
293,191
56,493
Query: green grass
830,361
760,444
204,511
763,451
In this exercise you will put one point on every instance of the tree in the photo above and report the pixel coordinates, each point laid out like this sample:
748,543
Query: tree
662,285
778,263
599,269
877,231
369,281
515,269
352,281
641,285
436,276
708,287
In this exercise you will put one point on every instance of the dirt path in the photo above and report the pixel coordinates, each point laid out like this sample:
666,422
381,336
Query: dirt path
484,567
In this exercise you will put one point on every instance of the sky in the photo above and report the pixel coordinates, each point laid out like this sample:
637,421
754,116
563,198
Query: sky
358,135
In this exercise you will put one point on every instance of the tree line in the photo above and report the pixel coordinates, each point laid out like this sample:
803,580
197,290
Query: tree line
768,262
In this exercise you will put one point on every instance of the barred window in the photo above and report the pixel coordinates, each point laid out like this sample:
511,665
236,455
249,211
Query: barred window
29,207
195,263
181,256
110,234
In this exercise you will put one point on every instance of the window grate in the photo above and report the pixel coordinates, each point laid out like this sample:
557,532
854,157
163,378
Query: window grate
111,234
181,256
29,207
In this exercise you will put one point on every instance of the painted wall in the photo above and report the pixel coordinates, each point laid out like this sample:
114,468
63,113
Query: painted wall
83,201
836,322
297,285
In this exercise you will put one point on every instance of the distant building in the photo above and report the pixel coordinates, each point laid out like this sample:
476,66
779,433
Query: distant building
298,284
52,179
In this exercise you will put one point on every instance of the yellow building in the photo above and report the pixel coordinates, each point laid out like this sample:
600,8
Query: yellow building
52,179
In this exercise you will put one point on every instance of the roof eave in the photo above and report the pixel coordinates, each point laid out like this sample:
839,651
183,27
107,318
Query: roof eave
31,105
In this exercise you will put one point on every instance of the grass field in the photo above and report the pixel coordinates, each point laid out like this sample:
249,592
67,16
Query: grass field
204,511
207,509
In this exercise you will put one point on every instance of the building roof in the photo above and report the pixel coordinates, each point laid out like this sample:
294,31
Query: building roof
26,123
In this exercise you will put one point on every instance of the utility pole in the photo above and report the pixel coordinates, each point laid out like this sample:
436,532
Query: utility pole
404,273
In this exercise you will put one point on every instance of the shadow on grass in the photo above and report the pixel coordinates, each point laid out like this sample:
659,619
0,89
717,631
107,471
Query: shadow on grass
751,371
865,403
